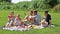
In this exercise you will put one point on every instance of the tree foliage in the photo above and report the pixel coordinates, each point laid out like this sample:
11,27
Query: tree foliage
34,4
5,1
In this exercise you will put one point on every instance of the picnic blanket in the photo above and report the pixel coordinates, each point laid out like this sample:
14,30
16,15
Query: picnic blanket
24,29
16,28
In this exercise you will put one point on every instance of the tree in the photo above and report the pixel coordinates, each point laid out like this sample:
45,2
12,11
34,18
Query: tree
5,1
52,3
8,1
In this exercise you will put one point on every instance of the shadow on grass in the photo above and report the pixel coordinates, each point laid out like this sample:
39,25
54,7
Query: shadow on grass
56,25
1,27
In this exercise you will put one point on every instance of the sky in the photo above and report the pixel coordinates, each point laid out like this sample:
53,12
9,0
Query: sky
16,1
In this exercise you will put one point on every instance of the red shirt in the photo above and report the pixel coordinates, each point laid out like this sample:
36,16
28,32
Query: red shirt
9,17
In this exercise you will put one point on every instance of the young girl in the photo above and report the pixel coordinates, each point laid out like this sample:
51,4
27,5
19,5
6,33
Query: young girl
11,19
18,20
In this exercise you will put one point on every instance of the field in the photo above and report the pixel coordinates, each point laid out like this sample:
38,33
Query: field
48,30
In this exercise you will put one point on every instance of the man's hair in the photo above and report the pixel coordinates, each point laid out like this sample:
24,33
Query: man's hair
46,11
35,11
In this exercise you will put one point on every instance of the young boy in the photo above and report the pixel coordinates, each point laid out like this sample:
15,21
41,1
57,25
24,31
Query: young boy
48,17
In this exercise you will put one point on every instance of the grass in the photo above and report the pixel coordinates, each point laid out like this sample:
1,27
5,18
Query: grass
48,30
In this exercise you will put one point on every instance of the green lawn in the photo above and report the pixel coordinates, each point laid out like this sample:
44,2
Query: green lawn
48,30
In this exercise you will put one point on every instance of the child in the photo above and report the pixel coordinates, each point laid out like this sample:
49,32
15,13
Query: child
48,17
29,18
46,20
11,19
26,17
18,20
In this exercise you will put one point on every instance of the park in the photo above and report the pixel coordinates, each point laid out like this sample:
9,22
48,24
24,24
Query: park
25,7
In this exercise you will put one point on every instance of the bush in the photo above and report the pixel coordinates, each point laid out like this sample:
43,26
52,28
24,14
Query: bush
57,8
52,3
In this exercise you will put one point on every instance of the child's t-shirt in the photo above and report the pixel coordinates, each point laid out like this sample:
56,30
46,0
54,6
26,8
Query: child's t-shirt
18,21
48,17
10,17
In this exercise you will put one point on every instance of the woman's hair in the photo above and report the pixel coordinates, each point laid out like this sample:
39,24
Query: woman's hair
31,11
35,11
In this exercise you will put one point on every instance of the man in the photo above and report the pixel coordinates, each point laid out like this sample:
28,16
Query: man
48,17
37,18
